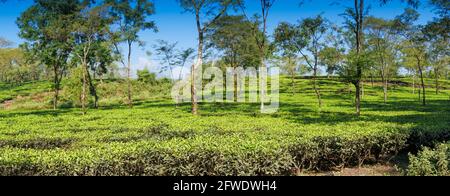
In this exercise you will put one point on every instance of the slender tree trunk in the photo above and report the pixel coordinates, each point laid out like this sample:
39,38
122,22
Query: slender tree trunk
196,66
181,71
262,48
129,90
423,82
171,74
92,88
84,90
262,82
290,63
316,64
358,99
414,83
293,83
316,89
359,8
235,88
385,88
56,87
233,63
420,94
371,80
436,77
362,90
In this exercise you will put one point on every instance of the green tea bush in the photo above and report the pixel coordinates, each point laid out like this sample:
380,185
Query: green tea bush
430,162
146,76
146,158
157,138
163,149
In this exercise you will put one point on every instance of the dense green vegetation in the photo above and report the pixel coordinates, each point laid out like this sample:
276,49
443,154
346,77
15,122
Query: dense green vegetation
10,92
356,93
157,138
431,162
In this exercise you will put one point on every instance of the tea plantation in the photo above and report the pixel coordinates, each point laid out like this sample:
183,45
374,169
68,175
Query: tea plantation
158,138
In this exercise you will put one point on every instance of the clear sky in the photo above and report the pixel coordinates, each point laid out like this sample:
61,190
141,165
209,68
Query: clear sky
175,25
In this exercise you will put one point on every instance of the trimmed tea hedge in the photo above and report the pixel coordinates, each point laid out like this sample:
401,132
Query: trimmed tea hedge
235,154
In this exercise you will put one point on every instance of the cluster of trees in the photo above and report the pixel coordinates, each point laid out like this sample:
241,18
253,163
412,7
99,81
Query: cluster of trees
85,34
94,35
15,69
365,47
370,47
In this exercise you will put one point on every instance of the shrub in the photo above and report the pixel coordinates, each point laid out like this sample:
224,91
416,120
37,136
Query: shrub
146,77
71,94
430,162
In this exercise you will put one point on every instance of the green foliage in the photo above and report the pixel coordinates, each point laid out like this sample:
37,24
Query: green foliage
331,57
430,162
146,77
15,69
155,138
167,55
442,7
131,18
10,92
233,35
72,87
353,61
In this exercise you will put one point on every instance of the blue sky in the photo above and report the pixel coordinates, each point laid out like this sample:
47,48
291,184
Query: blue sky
175,25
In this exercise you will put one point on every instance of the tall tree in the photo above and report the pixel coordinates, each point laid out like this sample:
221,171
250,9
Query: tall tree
330,57
382,43
437,33
232,35
167,54
358,14
333,53
290,65
289,61
47,28
415,54
206,12
131,18
91,28
260,34
355,22
438,49
413,47
102,61
305,38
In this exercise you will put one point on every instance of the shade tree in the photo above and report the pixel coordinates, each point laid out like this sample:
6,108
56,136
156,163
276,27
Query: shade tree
47,26
91,45
232,36
307,40
131,17
206,13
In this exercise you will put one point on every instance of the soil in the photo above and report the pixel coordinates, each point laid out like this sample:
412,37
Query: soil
375,170
7,104
39,97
